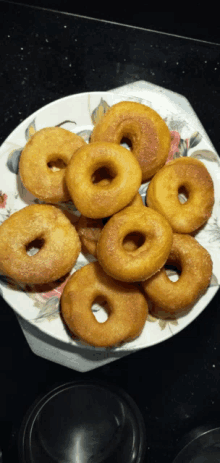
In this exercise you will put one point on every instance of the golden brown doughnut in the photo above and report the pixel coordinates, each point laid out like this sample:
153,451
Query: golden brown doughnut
136,201
143,262
196,270
127,307
162,195
59,240
99,200
89,230
52,145
143,127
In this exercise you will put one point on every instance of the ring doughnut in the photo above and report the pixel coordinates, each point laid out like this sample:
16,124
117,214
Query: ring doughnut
98,201
196,270
47,146
147,132
143,262
59,239
127,308
162,195
89,230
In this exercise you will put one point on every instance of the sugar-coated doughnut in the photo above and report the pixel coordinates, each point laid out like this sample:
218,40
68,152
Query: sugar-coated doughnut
89,230
99,200
59,240
170,298
144,261
47,146
162,195
127,308
147,132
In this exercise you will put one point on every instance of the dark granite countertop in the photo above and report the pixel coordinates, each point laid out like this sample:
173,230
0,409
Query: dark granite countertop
201,24
46,55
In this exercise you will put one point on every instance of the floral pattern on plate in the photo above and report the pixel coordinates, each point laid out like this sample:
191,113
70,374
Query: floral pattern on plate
79,114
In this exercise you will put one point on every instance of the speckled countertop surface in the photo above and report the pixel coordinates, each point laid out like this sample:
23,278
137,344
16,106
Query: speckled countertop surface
45,56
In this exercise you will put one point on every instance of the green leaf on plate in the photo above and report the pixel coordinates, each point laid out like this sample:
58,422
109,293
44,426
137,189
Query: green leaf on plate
214,281
173,322
151,319
30,130
65,122
13,160
206,154
195,139
183,148
85,134
99,111
48,310
163,324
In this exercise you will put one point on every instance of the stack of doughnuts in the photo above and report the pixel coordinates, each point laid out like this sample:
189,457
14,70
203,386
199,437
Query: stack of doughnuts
132,242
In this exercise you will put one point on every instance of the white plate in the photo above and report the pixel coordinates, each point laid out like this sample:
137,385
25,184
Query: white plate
79,113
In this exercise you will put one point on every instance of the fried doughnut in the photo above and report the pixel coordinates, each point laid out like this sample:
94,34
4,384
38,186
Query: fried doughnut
52,146
196,270
60,244
99,200
143,262
143,127
136,201
127,308
89,230
162,195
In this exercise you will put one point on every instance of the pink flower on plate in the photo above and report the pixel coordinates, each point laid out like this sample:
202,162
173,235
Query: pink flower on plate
55,291
3,200
174,147
47,290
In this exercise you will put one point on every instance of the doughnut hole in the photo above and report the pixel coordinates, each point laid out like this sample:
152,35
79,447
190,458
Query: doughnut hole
128,134
56,164
103,176
172,272
100,309
133,241
34,246
126,143
183,194
173,266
